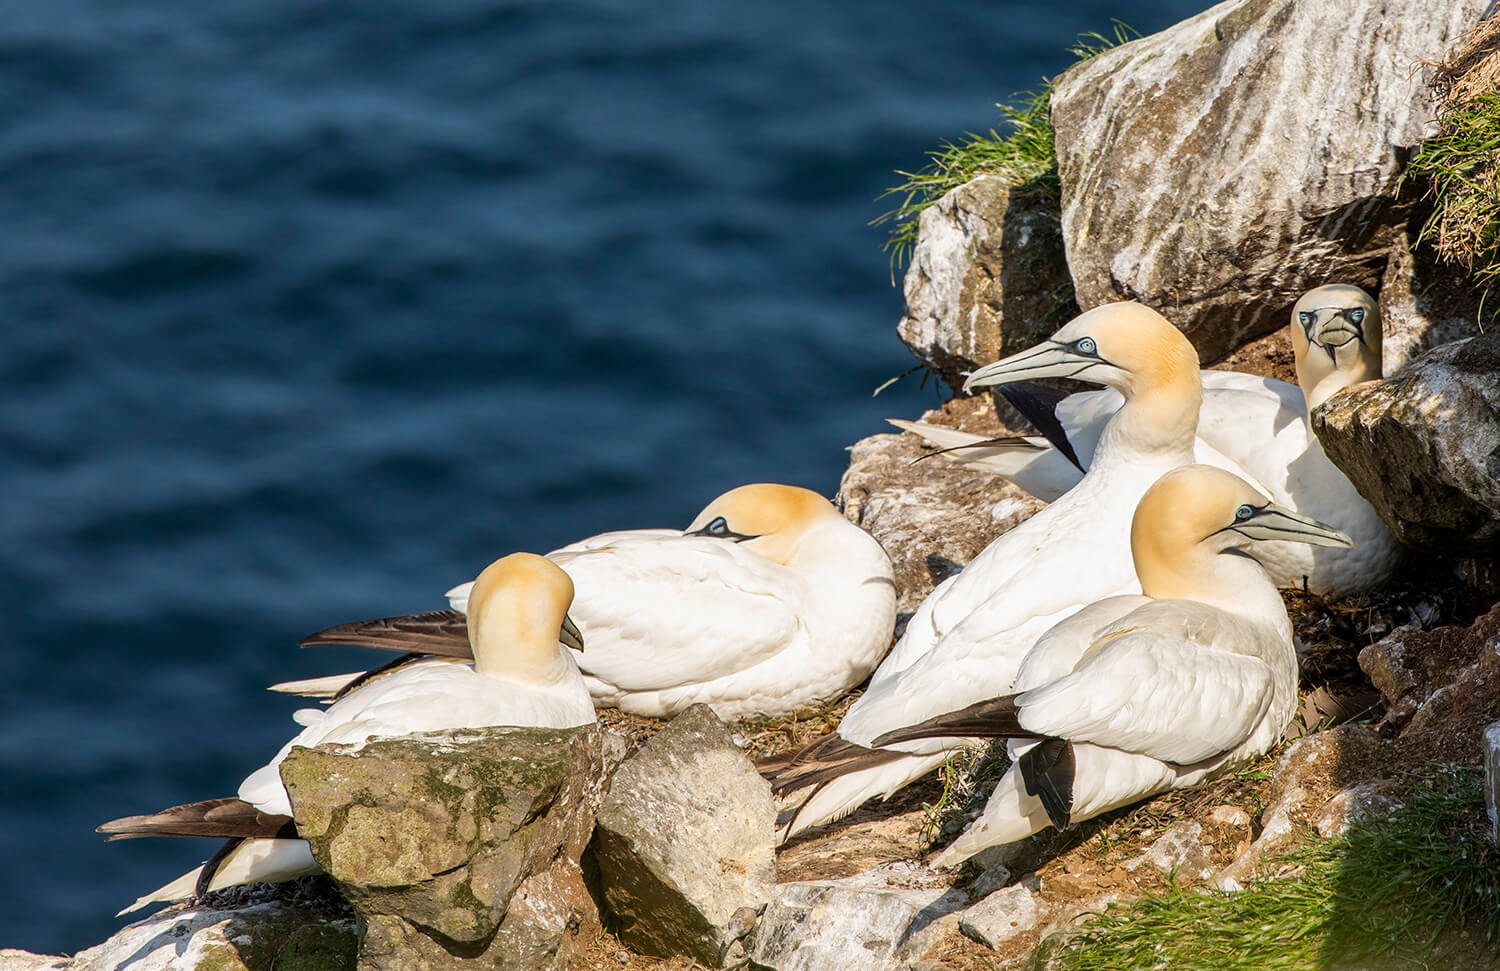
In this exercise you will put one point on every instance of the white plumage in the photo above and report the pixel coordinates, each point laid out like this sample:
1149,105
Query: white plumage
768,602
966,640
1253,426
520,677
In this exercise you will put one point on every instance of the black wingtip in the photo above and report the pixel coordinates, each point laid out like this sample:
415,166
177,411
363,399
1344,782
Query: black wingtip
1047,770
1038,404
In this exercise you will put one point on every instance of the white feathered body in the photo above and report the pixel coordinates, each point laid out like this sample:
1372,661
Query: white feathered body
1154,694
670,620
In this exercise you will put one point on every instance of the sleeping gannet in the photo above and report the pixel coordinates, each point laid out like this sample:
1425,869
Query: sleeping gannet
768,602
519,677
967,638
1260,425
1137,695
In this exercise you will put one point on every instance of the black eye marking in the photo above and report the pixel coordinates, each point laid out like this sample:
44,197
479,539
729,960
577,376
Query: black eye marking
1085,345
1243,513
718,528
1355,315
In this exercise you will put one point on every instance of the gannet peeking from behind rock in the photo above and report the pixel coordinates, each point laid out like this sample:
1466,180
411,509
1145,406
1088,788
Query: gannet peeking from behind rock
1137,695
1253,426
519,677
768,602
965,641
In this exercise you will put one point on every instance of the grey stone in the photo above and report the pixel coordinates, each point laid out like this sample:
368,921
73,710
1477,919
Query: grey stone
276,933
1001,916
882,919
935,516
1179,850
1423,446
1423,304
1492,779
1222,167
430,837
987,277
685,841
1356,804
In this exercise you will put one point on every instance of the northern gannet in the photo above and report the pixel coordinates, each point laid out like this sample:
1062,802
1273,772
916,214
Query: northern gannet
1137,695
519,677
1256,427
768,602
967,638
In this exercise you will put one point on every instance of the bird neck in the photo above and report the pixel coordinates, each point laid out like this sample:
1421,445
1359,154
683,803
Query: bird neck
1170,569
515,647
1159,417
1321,376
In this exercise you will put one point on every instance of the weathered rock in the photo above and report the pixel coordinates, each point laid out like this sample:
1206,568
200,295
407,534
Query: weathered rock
1492,779
685,841
1356,804
1423,304
1423,446
1179,850
987,277
935,516
1001,916
884,918
277,933
1220,168
430,837
1227,829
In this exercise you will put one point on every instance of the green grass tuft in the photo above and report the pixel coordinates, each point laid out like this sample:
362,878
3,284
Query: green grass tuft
1385,890
1025,155
1461,167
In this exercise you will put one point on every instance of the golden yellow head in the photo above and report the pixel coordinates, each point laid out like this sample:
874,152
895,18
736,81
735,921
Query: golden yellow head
770,516
517,607
1336,340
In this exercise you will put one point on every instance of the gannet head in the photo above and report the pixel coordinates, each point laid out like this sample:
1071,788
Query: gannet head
1336,337
768,518
518,613
1126,346
1197,509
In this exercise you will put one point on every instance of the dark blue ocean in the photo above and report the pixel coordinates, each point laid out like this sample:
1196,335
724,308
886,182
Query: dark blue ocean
311,309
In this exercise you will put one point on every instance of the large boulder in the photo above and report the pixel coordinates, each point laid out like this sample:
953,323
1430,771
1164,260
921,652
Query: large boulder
685,842
448,844
932,516
1423,304
1423,446
987,277
1220,168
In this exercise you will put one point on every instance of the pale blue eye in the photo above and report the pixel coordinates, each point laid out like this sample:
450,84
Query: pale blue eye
1356,315
1243,513
1307,317
719,527
1085,345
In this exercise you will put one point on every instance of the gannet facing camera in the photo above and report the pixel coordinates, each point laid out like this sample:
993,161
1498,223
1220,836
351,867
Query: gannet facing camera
966,640
768,602
520,677
1255,427
1141,694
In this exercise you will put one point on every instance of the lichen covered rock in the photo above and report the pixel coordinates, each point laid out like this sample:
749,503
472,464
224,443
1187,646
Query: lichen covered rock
986,279
685,842
1220,168
1423,446
431,837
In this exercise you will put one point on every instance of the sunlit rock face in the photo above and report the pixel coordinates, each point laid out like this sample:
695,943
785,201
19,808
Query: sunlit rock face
1220,168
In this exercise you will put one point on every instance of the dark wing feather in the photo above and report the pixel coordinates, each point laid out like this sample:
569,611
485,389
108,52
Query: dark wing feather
212,864
1038,403
441,632
1009,441
225,818
381,671
821,762
993,718
1047,770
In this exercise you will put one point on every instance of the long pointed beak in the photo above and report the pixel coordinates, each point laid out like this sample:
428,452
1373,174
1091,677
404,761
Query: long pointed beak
569,636
1046,360
1337,333
1279,523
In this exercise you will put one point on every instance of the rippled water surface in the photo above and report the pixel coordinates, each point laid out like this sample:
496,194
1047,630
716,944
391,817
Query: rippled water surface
313,308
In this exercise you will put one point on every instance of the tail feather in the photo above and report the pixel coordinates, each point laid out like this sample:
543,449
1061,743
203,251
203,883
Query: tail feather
225,817
991,718
324,687
237,862
441,632
837,796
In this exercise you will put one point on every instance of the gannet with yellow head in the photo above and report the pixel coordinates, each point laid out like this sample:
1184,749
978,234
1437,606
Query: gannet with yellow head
1137,695
520,676
966,640
1253,426
768,602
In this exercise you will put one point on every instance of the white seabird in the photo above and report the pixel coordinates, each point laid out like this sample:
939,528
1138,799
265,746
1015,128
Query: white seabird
768,602
519,677
966,640
1137,695
1248,424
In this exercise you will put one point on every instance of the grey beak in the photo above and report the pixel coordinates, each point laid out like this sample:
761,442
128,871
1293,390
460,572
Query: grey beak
569,636
1279,523
1046,360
